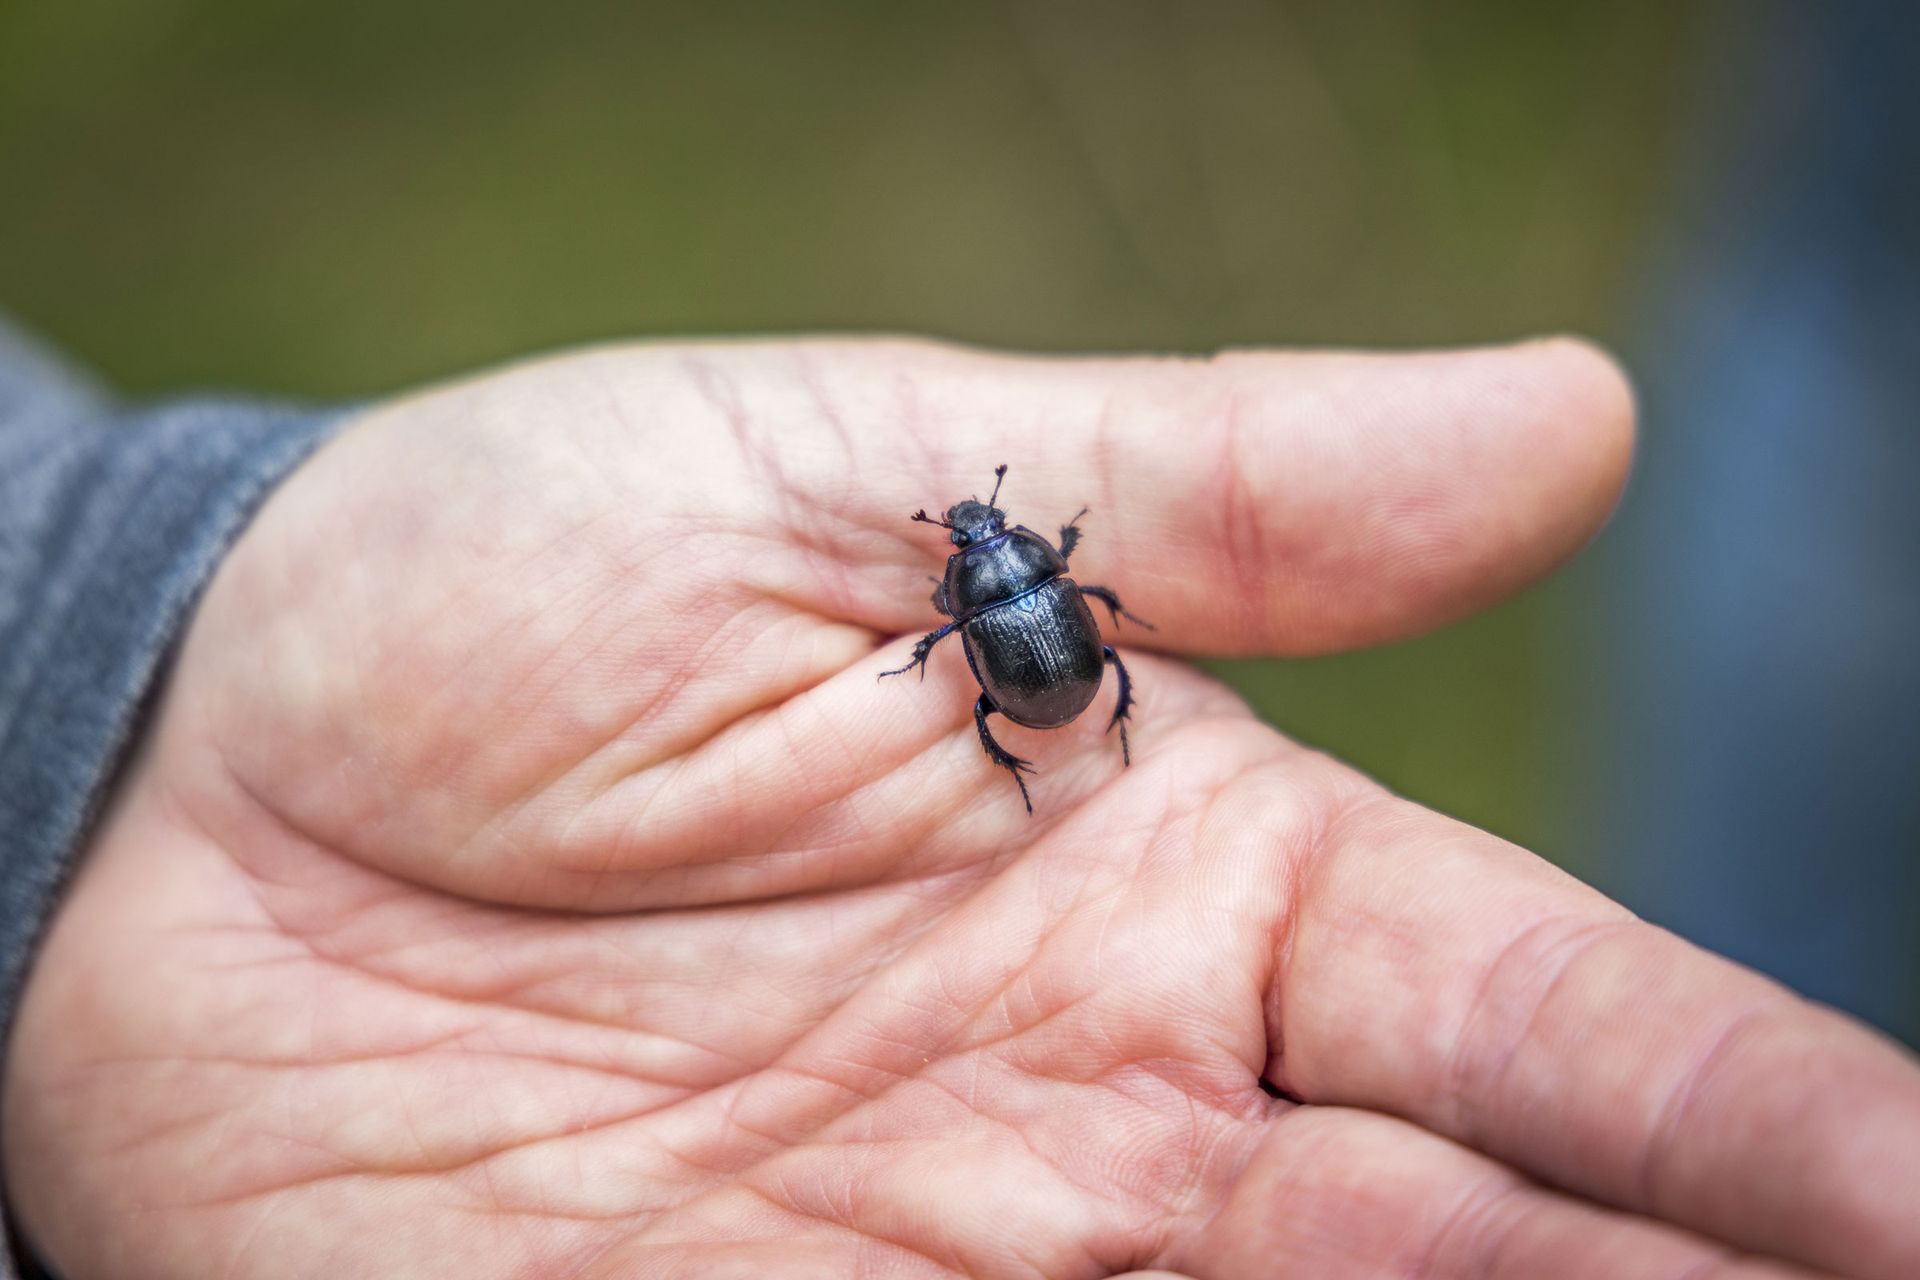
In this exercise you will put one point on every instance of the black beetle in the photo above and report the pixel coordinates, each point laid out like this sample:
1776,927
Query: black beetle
1029,636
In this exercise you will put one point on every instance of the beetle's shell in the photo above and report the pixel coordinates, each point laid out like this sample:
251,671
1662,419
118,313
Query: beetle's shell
999,569
1038,656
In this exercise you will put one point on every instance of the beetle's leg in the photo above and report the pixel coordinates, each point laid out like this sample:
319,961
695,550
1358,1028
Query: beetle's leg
1070,534
1105,596
1123,709
921,648
940,596
982,708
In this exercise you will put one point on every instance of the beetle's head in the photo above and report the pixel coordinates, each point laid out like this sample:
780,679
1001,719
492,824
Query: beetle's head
974,521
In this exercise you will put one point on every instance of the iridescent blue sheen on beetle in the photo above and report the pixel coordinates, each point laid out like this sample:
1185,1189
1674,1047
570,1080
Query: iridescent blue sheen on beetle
1029,636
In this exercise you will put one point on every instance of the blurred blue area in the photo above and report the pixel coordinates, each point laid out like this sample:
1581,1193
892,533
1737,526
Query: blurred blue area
1763,658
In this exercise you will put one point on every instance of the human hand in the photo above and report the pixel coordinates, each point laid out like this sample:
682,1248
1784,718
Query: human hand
526,875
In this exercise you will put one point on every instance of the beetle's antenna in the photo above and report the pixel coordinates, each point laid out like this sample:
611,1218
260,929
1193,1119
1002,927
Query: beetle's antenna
999,474
922,516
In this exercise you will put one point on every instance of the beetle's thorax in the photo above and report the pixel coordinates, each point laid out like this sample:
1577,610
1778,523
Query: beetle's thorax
1003,566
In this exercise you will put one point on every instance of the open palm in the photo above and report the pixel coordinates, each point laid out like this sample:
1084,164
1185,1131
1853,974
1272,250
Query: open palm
526,874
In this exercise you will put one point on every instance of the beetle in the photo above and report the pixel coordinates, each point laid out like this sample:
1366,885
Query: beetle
1030,638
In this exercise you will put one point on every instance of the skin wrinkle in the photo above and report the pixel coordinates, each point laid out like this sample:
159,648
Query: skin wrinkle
806,363
720,738
473,1163
859,834
1281,1191
1102,449
931,823
718,596
788,845
730,1152
612,859
582,657
806,523
1458,1069
910,419
1241,510
828,556
1481,1206
1255,1110
237,1257
1710,1266
857,1096
680,866
803,750
845,1220
1017,1029
867,1235
969,1012
352,968
760,850
1670,1127
722,397
221,1115
1324,836
304,1062
333,941
1099,948
1025,1142
806,599
930,1048
1187,1206
449,683
383,964
1474,1081
1401,1185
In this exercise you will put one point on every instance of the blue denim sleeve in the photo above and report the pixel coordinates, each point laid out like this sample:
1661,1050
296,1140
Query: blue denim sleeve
111,521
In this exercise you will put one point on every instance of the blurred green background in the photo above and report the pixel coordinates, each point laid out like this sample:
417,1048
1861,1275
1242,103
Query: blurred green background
341,200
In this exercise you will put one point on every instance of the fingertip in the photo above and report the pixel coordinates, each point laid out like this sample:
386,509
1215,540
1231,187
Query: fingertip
1525,451
1600,414
1448,479
1366,496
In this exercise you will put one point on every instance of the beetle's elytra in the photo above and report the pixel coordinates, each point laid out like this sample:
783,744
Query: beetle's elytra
1030,638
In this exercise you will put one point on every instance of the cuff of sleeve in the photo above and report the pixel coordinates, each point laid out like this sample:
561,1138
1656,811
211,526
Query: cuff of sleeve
131,517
